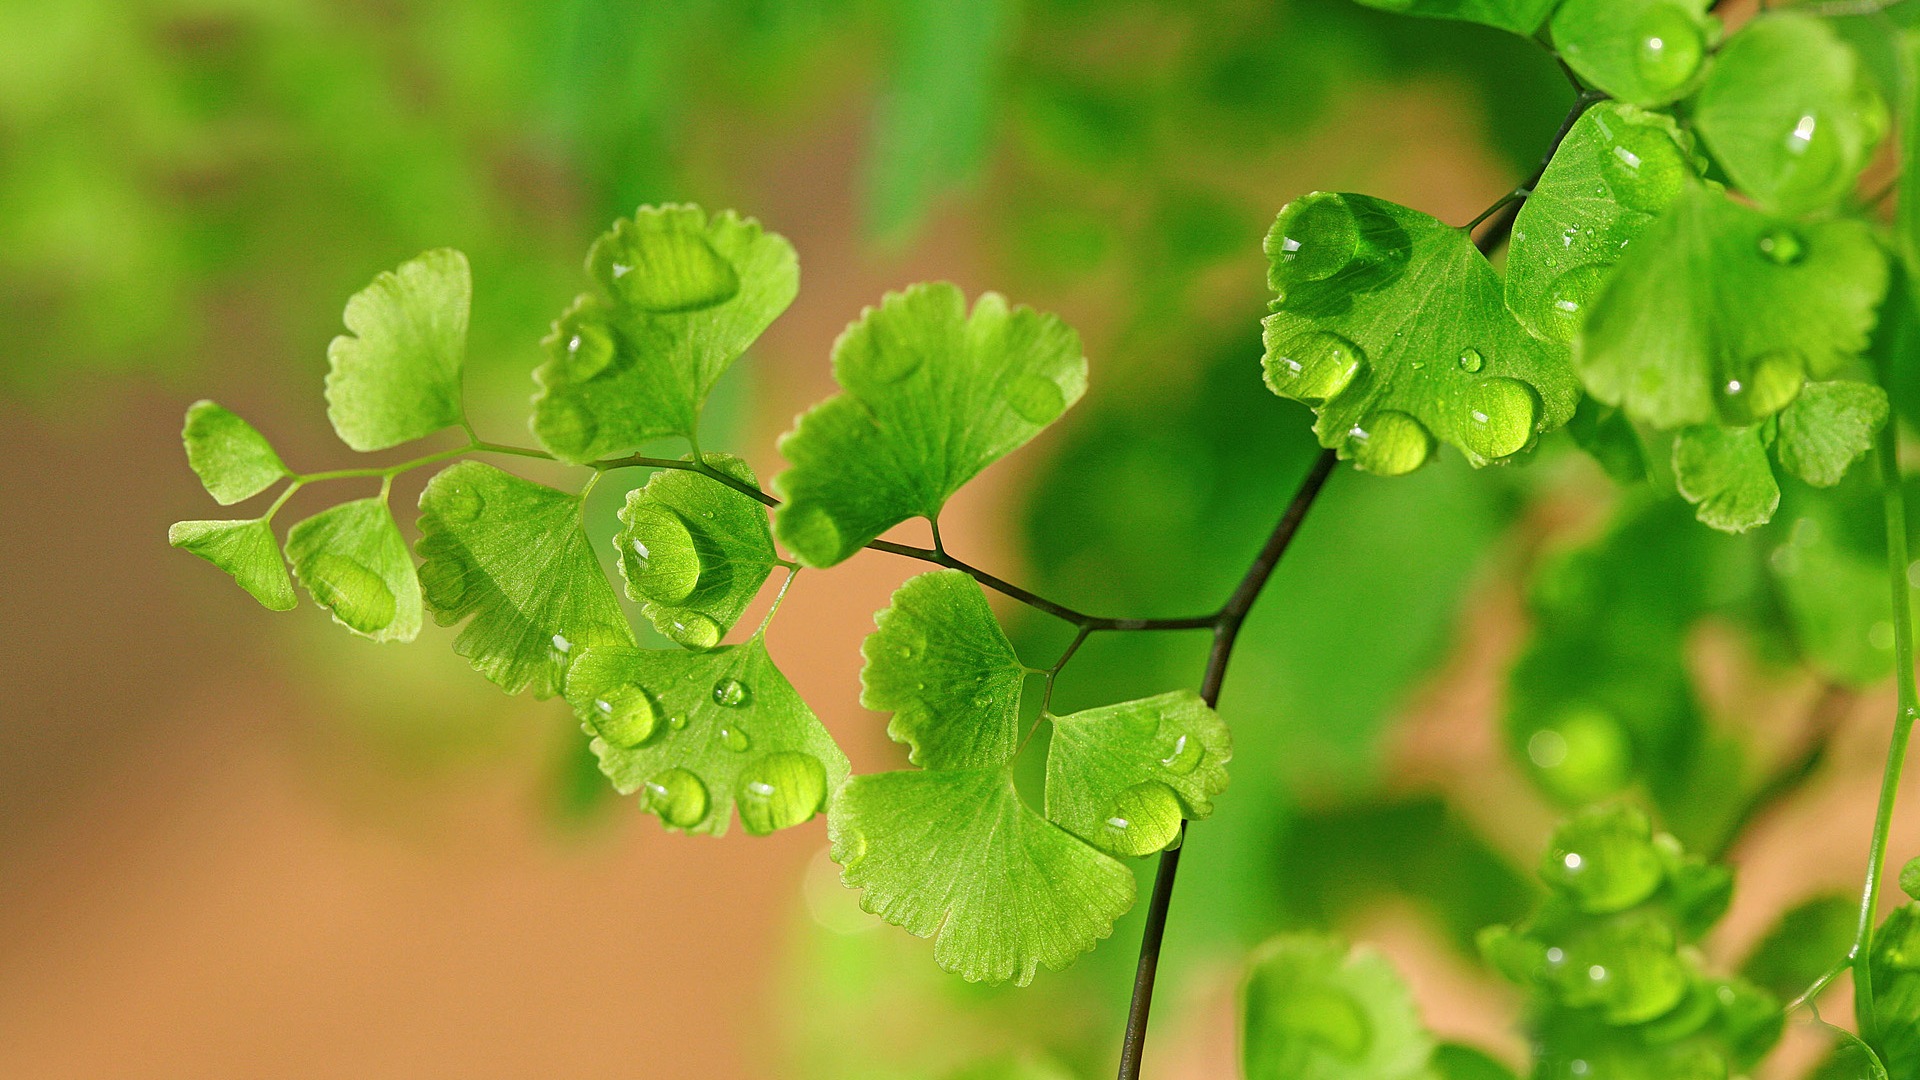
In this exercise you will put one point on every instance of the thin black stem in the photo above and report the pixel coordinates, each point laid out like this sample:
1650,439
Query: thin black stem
1226,625
1499,217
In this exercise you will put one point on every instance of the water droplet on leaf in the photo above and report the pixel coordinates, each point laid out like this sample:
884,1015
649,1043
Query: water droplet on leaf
1501,415
1769,383
1668,49
1472,360
588,351
1314,238
1315,366
661,562
780,790
459,502
1782,246
1036,398
625,717
1605,860
678,796
735,739
731,693
1143,819
1390,443
694,630
1567,299
1183,755
1644,168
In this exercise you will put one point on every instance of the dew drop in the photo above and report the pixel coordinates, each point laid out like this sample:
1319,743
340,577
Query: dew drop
1314,238
1390,443
1668,49
1644,168
888,362
677,723
1501,415
1036,398
663,268
357,597
694,630
625,717
1183,755
1768,384
1315,366
588,351
1605,860
1142,819
734,739
678,796
780,790
1565,305
1782,246
459,502
1471,360
661,561
731,693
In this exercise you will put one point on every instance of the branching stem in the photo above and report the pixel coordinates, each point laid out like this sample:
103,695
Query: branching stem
1226,625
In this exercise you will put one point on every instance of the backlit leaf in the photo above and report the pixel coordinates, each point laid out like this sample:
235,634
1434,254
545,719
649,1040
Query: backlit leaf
958,856
1522,17
1790,113
1829,427
1121,777
694,551
1394,328
232,459
931,395
1313,1009
1810,938
353,562
700,734
1724,471
396,376
1647,52
680,297
1617,170
1722,310
245,549
941,664
511,554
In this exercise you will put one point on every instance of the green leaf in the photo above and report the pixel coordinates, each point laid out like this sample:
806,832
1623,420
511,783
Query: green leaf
1850,1059
1810,938
1456,1061
680,298
1647,52
956,855
1607,436
1121,777
941,664
512,554
1722,310
934,122
1618,169
1724,471
1910,879
932,395
245,549
234,461
353,562
951,849
1604,860
1896,989
1393,327
1828,427
694,552
1790,113
703,733
1830,574
396,376
1522,17
1312,1009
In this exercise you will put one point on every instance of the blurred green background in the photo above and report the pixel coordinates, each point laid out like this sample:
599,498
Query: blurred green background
241,845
